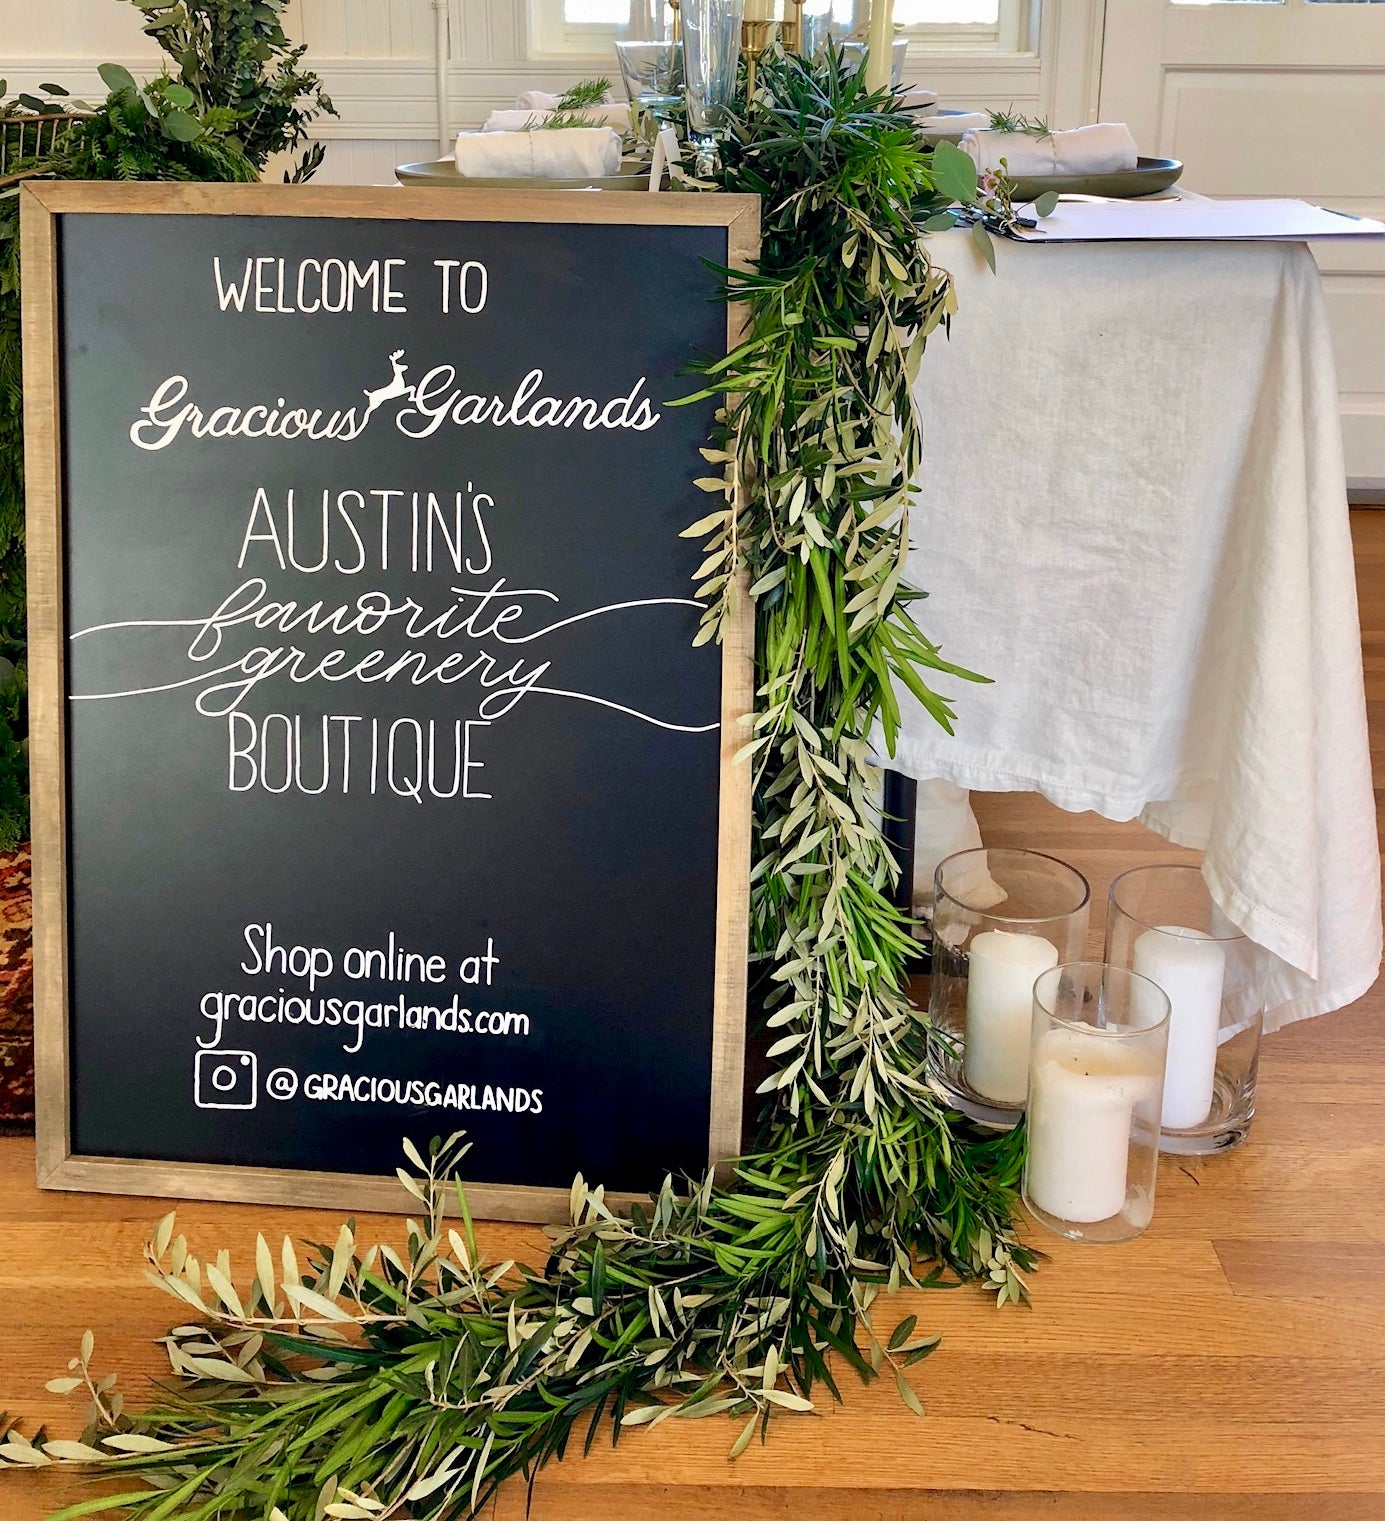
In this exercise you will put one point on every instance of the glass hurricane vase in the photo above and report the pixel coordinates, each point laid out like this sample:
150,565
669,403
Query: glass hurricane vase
1000,917
1163,923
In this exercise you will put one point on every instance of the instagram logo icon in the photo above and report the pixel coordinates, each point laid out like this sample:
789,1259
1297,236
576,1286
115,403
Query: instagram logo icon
225,1080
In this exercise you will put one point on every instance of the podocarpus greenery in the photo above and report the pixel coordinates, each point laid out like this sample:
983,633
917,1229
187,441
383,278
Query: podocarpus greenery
412,1382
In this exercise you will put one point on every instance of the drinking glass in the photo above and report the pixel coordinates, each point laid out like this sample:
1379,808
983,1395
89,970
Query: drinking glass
653,76
854,56
817,26
1163,922
1096,1082
1000,917
711,55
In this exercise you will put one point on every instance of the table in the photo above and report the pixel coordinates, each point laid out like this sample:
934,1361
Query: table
1133,517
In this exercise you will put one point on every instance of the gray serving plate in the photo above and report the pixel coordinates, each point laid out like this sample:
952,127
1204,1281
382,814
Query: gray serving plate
443,171
1148,177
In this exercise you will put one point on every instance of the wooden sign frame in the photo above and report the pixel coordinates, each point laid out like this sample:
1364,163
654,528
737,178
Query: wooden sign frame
43,203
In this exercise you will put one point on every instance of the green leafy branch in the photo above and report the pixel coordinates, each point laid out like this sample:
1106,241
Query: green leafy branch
234,56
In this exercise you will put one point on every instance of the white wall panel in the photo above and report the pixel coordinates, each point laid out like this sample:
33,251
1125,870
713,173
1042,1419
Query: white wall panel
55,29
1275,100
1288,131
364,161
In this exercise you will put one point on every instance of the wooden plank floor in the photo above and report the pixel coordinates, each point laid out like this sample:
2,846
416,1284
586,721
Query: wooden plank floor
1229,1364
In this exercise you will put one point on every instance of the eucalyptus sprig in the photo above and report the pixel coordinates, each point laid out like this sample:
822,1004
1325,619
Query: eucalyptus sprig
412,1380
234,55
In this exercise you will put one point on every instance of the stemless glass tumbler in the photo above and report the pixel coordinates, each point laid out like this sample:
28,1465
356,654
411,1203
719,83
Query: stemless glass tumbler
1163,923
1096,1080
1000,917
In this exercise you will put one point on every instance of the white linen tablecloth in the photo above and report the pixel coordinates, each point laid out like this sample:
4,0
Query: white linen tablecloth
1133,518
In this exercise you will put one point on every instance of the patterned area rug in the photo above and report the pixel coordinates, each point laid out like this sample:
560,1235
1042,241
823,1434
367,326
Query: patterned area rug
16,994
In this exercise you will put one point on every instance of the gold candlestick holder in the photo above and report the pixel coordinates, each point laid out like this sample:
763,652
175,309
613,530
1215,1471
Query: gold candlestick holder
676,26
755,39
791,28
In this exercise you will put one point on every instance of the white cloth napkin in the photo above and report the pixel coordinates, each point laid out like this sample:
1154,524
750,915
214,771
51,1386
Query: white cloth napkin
943,825
1098,149
917,98
961,121
566,153
516,121
536,100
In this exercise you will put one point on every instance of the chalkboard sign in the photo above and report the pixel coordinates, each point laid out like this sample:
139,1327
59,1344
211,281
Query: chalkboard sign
380,789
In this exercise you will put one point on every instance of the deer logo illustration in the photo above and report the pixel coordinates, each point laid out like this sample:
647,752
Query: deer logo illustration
394,387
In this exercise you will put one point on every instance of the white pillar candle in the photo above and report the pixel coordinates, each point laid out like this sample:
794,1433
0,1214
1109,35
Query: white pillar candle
1081,1104
1191,968
1002,968
880,44
758,10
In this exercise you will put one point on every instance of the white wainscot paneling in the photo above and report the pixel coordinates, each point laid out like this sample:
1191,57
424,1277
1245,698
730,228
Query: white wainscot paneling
58,29
1311,132
1356,306
370,161
1281,131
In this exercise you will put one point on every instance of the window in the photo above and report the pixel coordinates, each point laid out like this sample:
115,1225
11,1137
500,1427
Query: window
588,27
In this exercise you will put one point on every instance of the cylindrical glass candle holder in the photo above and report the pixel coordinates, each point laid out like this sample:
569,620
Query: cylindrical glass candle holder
1163,923
1096,1080
1000,917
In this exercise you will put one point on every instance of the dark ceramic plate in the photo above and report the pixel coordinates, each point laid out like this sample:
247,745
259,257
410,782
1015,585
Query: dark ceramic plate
443,171
1148,177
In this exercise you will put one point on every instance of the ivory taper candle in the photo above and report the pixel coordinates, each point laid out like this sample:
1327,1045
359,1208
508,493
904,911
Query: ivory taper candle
880,44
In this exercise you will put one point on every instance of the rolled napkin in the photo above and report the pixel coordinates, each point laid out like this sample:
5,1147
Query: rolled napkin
1099,149
955,122
516,121
565,153
916,98
536,100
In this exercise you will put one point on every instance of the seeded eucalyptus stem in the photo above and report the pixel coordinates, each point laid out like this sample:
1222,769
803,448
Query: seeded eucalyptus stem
410,1383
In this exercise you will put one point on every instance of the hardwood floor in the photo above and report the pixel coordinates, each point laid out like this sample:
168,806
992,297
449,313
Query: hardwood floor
1229,1364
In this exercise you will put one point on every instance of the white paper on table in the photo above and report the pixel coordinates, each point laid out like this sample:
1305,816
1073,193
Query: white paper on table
666,154
1165,221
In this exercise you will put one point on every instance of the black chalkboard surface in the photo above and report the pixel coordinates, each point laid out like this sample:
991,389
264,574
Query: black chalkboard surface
380,788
